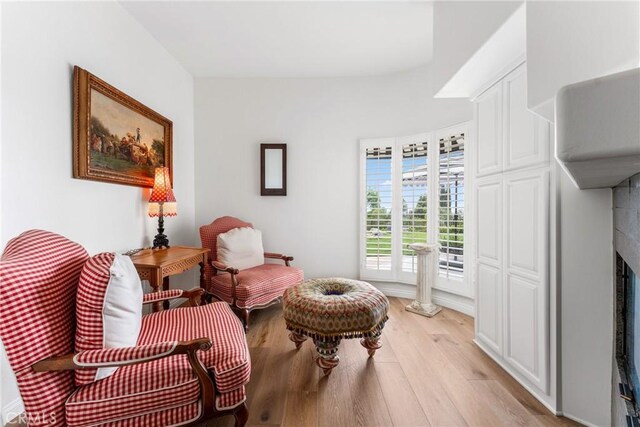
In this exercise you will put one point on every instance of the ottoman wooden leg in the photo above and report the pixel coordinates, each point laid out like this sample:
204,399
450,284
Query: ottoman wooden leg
371,344
327,354
297,339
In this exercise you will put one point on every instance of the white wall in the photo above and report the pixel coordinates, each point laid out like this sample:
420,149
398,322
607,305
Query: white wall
568,42
586,301
321,120
3,357
41,42
572,41
460,28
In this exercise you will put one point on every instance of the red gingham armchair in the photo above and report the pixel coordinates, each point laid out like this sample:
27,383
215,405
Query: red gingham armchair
249,289
189,364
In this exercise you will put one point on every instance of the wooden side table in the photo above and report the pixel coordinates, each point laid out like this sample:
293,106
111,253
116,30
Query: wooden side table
157,265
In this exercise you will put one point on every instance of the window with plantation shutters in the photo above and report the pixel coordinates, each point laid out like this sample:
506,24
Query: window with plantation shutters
414,200
378,227
451,205
413,191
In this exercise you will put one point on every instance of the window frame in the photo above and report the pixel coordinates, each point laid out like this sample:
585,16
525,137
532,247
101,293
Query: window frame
380,275
396,213
461,286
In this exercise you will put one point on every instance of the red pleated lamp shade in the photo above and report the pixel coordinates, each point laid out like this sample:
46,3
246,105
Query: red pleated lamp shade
162,193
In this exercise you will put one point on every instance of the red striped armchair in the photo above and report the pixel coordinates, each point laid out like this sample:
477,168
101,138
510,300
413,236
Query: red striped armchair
189,363
245,289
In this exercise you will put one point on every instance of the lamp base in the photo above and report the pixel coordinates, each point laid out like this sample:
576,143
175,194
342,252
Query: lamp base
161,240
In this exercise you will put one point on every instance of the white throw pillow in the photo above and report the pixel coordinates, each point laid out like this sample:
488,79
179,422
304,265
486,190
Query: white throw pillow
240,248
108,309
122,309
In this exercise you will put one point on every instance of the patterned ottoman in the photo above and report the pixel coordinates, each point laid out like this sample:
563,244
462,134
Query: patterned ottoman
328,310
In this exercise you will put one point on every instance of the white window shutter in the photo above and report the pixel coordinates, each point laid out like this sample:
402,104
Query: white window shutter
451,205
376,223
414,199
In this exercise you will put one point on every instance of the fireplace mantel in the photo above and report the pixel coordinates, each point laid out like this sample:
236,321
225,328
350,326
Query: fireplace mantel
598,129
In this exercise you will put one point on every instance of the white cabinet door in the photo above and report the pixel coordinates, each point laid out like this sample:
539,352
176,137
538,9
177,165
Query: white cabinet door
488,227
488,274
526,199
526,277
488,112
526,136
489,306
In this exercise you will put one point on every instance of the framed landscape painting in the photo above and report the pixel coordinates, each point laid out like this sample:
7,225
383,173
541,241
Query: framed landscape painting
116,138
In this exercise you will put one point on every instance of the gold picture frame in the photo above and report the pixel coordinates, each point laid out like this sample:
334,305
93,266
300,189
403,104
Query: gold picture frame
116,138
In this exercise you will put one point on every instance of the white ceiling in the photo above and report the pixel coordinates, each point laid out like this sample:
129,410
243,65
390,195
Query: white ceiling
291,39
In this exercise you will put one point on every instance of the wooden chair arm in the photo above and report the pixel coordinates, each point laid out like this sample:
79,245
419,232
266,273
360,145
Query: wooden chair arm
273,255
218,266
57,363
69,361
192,294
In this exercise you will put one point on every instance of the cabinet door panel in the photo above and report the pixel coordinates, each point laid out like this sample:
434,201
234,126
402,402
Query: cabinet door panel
489,131
489,306
527,215
526,136
489,220
525,332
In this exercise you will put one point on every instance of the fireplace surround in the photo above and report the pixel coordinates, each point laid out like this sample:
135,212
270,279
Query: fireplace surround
627,348
626,410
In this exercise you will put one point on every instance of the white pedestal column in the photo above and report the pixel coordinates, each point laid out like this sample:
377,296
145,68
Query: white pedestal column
427,275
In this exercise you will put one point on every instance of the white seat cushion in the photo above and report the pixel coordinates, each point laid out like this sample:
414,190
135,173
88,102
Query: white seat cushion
240,248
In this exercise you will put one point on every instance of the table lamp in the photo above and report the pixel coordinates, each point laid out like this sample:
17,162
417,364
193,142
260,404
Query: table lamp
162,203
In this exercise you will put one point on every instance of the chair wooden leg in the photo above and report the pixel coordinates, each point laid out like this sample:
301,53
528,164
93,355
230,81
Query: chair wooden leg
245,318
241,415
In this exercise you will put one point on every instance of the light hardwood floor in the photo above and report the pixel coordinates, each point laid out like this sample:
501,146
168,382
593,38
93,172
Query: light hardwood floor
428,373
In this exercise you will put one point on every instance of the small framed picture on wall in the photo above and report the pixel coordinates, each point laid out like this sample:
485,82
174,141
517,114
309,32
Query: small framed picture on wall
273,169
